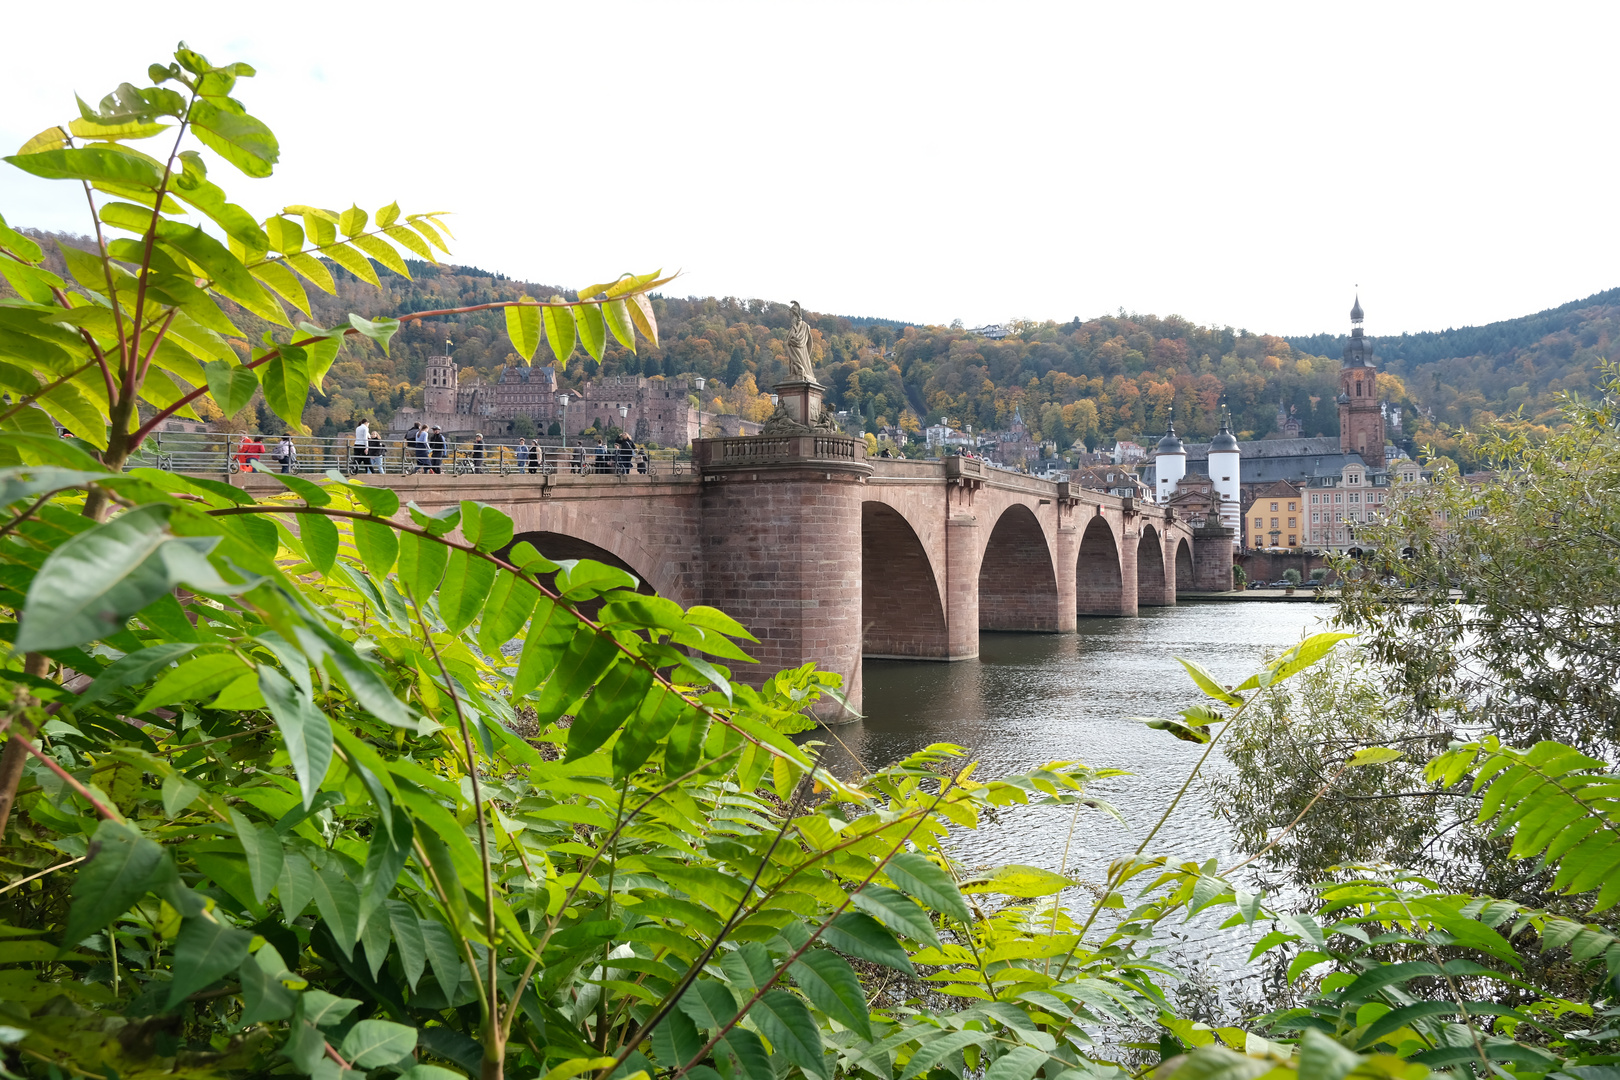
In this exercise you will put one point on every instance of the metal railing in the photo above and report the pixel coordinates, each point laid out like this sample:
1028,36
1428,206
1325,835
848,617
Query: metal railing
213,453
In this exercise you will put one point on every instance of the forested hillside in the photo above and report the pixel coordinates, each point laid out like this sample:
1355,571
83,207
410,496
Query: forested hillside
1096,380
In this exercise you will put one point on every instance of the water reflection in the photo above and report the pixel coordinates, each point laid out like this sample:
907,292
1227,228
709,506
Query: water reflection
1033,698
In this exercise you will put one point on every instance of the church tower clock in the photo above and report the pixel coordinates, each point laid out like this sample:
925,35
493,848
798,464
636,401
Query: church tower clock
1361,418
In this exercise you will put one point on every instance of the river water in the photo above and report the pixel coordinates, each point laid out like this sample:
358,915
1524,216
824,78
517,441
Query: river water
1033,698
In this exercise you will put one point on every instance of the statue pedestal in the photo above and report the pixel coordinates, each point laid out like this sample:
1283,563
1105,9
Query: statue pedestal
801,400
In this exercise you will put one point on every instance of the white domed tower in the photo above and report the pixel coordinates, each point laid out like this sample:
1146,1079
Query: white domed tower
1170,463
1225,472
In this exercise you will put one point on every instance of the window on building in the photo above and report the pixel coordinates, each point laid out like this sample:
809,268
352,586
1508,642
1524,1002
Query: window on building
1338,496
1316,518
1291,524
1273,523
1259,523
1291,506
1293,541
1355,497
1358,388
1273,508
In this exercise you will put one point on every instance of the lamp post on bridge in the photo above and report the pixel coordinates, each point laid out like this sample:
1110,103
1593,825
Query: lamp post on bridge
562,402
699,382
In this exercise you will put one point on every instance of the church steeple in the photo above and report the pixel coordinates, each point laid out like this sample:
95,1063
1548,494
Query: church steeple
1361,419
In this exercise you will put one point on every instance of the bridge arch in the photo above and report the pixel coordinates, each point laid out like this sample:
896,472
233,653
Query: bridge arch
572,531
902,612
1017,581
1152,584
1099,587
1184,566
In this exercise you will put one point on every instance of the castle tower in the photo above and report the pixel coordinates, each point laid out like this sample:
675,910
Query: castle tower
1361,418
1170,463
439,392
1225,473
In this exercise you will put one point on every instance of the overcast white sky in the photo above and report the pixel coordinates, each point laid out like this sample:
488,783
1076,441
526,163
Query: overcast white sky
1239,164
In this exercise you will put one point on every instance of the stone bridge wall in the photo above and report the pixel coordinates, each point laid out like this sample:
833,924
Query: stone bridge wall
828,557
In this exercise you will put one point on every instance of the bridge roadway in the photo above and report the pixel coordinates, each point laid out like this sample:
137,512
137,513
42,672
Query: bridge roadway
829,556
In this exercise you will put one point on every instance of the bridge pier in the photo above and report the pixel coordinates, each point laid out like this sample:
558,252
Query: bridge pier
1066,550
1212,558
961,585
781,534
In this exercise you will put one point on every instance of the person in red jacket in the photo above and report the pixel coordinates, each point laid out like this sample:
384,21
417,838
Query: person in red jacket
251,450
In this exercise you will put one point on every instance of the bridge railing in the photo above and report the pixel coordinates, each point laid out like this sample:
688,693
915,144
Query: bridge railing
747,450
213,453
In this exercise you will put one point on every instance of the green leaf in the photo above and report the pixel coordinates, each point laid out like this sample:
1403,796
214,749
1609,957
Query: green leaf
1019,1063
122,865
381,331
747,1055
327,1010
1206,682
559,322
286,384
264,858
592,334
896,910
18,244
442,954
243,140
941,1047
305,730
617,316
709,1004
587,659
285,235
320,537
378,545
430,1072
408,939
1320,1058
1015,880
178,794
352,222
616,699
265,997
385,857
467,581
641,313
832,986
194,679
93,163
203,953
421,566
523,329
1373,755
338,901
1184,732
1215,1062
925,882
372,1044
511,600
31,282
96,580
864,938
231,385
228,273
782,1018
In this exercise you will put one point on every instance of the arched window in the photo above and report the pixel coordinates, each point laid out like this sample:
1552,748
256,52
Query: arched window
1358,388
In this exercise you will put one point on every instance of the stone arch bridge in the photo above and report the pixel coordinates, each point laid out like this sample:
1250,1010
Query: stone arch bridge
829,556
